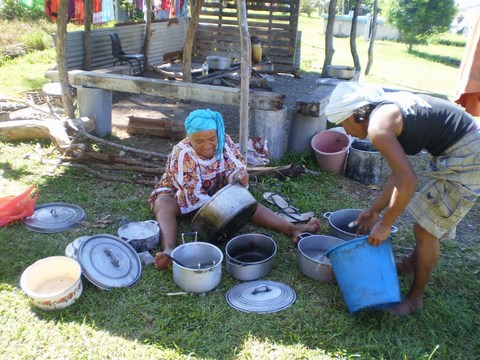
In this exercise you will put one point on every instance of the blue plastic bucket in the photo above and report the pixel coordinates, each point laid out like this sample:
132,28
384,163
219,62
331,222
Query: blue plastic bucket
366,274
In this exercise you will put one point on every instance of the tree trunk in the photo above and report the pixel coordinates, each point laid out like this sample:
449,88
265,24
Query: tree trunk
87,34
353,36
373,35
148,34
61,52
196,6
245,74
329,50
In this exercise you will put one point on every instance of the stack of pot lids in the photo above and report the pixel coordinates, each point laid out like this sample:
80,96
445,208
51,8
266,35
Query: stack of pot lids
109,262
261,296
54,217
72,249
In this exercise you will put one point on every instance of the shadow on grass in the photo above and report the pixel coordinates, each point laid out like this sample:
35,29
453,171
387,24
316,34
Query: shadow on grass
7,172
441,59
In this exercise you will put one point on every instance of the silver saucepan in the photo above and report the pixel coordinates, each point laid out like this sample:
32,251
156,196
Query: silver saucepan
250,256
201,266
340,223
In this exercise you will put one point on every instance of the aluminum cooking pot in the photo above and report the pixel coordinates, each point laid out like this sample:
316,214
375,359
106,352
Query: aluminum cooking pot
142,235
224,214
311,256
250,256
340,71
339,221
202,267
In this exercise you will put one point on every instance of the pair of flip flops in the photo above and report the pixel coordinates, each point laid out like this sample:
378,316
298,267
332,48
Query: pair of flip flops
286,210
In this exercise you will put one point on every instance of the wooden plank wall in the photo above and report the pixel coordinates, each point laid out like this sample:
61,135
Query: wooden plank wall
274,23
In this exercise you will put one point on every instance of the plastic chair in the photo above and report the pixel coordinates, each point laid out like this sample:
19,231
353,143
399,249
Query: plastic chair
135,60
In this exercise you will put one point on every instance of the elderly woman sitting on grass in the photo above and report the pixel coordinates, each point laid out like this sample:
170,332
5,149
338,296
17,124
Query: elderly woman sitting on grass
199,166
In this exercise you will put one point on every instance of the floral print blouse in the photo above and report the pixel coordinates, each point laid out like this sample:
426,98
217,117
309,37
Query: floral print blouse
193,179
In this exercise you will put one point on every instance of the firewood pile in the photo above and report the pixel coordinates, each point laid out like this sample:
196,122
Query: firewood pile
107,160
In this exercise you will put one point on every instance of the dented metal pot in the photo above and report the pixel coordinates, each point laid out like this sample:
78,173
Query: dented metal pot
224,214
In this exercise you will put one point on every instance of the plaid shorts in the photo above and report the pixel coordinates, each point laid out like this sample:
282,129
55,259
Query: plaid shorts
453,188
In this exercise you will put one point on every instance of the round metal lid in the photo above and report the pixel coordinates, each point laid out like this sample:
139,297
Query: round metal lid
54,217
72,248
109,262
261,296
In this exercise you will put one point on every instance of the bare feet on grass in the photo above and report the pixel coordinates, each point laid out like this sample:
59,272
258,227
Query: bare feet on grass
161,261
311,227
406,307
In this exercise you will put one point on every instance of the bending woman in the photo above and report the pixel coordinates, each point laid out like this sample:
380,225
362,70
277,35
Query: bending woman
400,124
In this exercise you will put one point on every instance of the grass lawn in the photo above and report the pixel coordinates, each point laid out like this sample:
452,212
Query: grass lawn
392,65
147,322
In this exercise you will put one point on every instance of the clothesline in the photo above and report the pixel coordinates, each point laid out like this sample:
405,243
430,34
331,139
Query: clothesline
108,10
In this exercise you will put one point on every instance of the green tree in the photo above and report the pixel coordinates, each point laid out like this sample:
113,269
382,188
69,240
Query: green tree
14,9
417,20
309,6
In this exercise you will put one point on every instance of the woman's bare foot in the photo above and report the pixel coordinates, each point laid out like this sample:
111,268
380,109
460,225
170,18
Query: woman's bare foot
161,261
311,227
406,307
406,268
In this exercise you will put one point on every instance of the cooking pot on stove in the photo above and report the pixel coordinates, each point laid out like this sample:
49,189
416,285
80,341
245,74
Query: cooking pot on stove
226,212
218,62
339,221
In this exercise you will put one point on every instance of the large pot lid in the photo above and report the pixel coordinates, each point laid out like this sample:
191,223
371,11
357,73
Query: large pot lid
54,217
261,296
109,262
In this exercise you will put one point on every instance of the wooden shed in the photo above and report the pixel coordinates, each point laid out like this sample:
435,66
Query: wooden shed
274,23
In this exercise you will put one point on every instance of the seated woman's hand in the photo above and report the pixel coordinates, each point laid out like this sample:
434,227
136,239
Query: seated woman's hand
241,176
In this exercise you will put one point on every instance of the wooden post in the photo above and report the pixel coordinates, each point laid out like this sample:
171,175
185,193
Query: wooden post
245,74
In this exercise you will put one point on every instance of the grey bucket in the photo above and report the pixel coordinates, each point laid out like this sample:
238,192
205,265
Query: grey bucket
364,162
272,126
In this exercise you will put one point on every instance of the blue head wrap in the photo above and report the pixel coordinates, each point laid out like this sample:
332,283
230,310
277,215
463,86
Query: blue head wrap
200,120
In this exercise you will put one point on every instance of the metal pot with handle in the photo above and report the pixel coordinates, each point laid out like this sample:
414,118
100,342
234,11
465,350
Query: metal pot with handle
142,235
342,223
250,256
226,212
312,259
201,266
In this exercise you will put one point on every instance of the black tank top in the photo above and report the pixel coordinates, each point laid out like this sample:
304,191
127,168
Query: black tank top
434,129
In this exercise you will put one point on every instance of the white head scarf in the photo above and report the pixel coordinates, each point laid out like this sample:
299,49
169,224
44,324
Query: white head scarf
348,96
